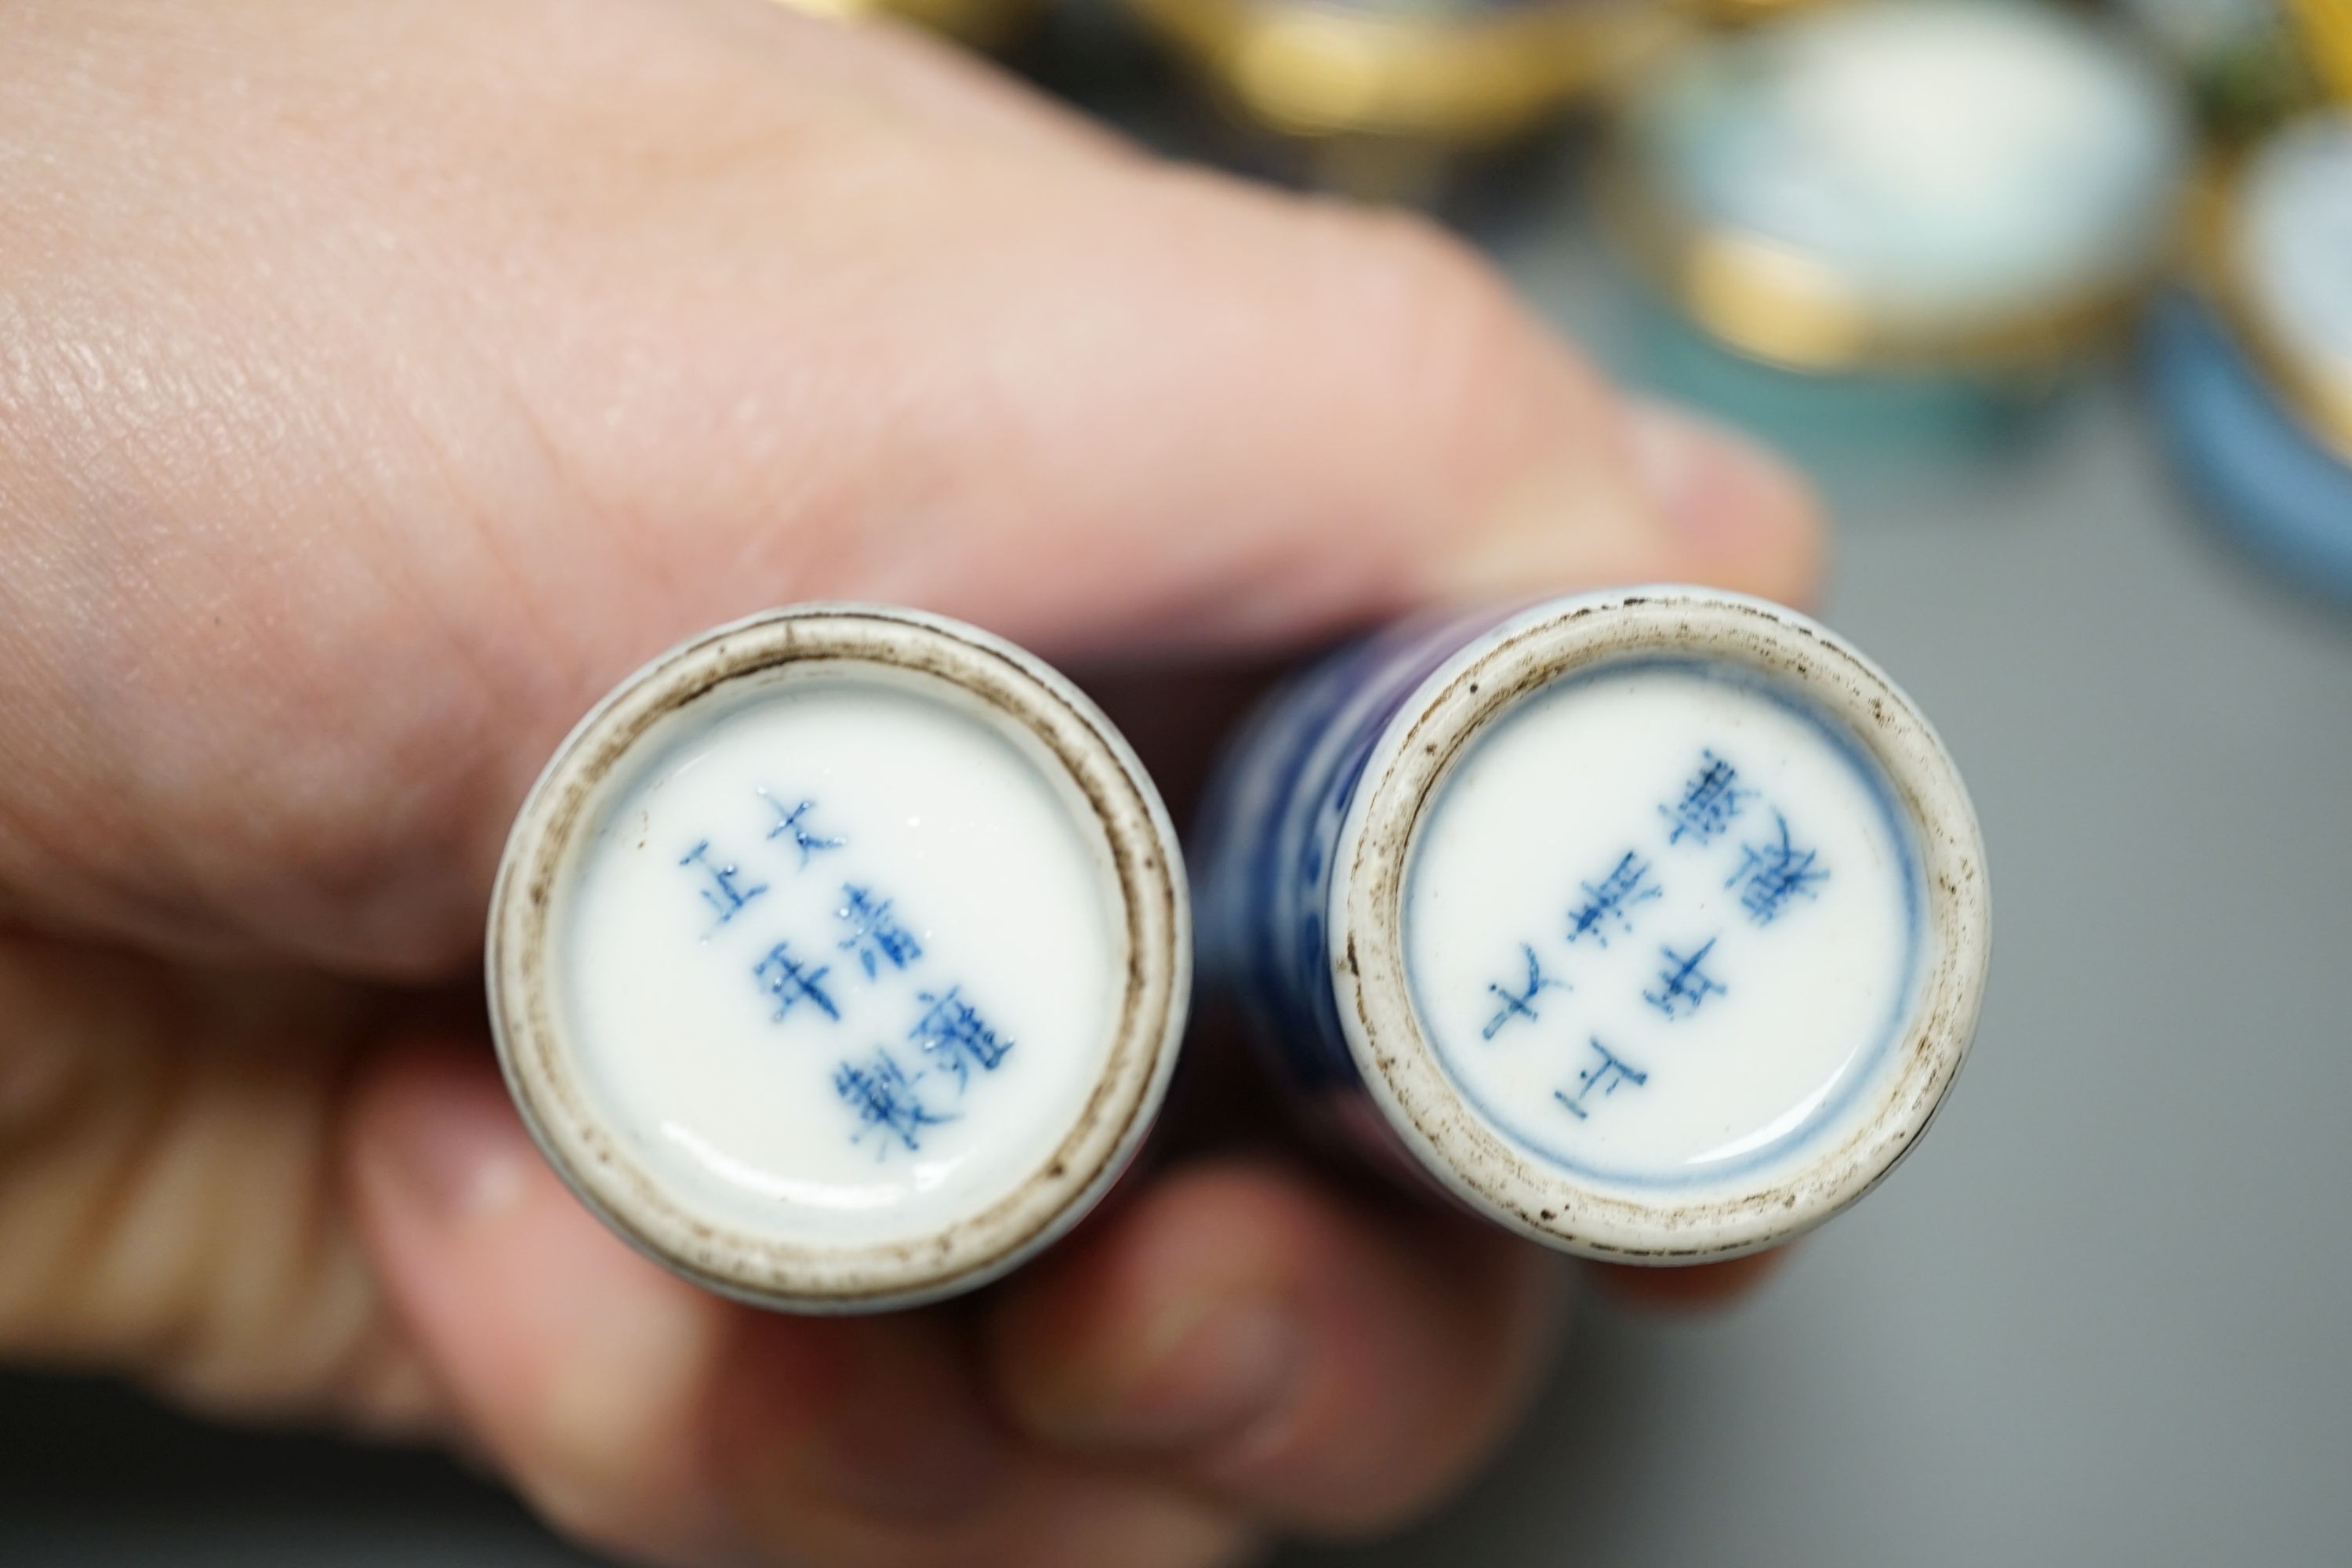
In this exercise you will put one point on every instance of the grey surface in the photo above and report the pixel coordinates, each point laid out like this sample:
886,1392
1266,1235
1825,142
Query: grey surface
2102,1317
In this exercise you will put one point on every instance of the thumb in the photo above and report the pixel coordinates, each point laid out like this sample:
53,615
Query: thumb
620,353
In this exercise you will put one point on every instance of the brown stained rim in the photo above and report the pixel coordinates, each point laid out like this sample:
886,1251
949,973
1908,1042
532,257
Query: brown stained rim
1014,690
1400,1068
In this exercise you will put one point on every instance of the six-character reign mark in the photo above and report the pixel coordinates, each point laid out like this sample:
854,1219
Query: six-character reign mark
1770,874
955,1037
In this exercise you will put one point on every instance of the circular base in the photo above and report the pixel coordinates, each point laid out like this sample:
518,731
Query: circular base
839,958
1664,924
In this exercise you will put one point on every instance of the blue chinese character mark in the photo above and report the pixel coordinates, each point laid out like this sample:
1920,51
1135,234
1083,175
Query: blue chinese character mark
1770,874
874,934
1709,802
792,982
1605,1076
719,889
887,1103
1626,885
795,822
954,1033
1683,984
1520,1004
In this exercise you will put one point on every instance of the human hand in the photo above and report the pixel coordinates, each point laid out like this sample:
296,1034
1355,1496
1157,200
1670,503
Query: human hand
380,383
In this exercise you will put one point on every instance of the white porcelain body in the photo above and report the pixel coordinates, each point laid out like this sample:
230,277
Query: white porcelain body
839,958
1493,889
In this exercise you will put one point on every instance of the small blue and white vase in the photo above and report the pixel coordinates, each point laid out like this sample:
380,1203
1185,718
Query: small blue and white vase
1650,924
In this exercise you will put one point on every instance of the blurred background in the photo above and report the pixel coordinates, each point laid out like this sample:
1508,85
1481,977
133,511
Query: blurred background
2055,303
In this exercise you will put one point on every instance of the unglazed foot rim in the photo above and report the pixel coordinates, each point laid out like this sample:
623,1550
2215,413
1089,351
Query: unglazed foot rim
1013,691
1400,1066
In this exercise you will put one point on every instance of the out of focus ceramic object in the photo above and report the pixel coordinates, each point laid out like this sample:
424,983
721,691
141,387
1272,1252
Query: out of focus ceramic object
839,957
2247,64
1381,98
1921,184
1652,924
982,24
2282,260
2327,28
2253,372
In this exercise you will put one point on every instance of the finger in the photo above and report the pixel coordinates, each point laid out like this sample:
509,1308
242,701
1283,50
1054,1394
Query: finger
1239,1329
1700,1287
170,1208
1236,421
653,1418
646,323
167,1202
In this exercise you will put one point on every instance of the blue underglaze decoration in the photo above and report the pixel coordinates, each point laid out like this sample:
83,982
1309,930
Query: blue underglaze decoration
1683,984
1709,803
792,982
1604,1075
719,889
953,1034
1628,883
1791,869
887,1102
874,934
806,838
895,1097
1266,836
1772,872
1268,825
1520,1004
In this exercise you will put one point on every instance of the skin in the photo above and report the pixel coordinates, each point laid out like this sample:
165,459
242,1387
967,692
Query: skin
378,385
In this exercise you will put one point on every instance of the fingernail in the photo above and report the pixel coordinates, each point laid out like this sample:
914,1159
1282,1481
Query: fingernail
461,1156
1675,496
1709,484
1224,1373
